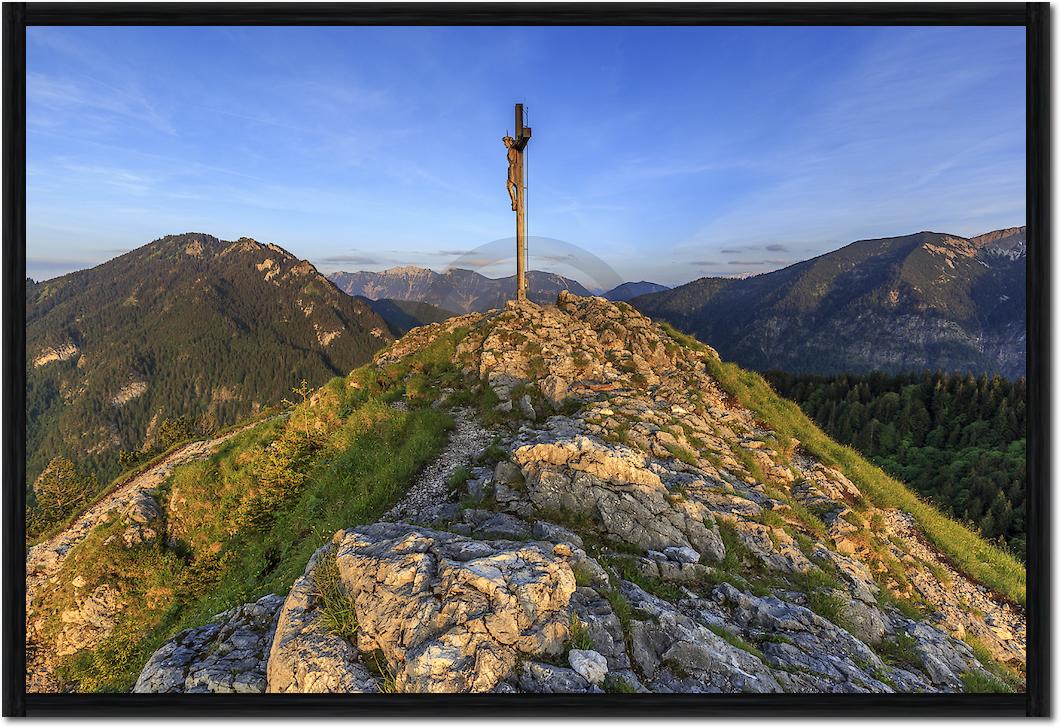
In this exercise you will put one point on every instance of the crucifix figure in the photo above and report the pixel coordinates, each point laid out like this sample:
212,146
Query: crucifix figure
513,170
516,148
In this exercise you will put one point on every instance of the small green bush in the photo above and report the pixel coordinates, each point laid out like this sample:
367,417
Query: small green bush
979,682
829,605
458,479
617,685
682,454
899,651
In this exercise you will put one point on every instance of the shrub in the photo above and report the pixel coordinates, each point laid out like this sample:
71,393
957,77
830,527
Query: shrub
899,651
59,490
493,453
458,479
280,474
980,682
682,454
829,605
617,685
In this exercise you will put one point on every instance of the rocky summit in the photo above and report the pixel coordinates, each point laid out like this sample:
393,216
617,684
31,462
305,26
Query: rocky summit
617,510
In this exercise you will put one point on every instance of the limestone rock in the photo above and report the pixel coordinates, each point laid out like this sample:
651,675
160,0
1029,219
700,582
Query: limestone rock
508,473
143,518
556,534
228,655
451,614
614,487
590,665
306,656
540,678
91,620
682,554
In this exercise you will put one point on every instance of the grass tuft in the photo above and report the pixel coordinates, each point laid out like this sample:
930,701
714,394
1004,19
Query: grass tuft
580,638
337,609
734,640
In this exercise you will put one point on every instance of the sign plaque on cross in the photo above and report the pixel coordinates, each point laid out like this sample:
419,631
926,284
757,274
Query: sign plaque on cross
517,191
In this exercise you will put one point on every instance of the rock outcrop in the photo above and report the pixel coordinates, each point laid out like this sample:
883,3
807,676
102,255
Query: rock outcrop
228,655
449,613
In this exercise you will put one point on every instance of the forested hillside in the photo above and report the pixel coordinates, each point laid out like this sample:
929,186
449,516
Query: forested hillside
958,440
187,327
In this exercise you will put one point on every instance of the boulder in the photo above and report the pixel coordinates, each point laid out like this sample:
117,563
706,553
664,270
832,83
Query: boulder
614,486
590,665
451,614
540,678
306,655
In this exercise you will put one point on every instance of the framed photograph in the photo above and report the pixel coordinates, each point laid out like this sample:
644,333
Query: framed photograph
463,358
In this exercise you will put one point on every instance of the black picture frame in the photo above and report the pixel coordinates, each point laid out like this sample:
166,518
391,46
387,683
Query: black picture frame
1033,16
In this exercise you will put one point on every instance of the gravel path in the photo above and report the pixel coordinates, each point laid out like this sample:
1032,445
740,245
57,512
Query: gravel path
467,440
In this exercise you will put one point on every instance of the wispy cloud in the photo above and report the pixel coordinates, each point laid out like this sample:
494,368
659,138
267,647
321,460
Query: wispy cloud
355,259
78,93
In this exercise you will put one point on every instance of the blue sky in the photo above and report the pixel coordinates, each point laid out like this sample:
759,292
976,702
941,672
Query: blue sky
670,153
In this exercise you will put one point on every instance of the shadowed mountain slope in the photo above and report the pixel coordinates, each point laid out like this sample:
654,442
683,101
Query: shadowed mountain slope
922,301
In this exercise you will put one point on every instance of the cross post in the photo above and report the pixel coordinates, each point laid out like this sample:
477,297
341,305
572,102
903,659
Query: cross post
522,137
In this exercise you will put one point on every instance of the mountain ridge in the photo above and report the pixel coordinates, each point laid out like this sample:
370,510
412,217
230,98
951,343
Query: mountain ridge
922,301
173,329
456,289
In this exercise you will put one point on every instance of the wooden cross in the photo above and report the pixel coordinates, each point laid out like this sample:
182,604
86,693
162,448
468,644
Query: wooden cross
522,136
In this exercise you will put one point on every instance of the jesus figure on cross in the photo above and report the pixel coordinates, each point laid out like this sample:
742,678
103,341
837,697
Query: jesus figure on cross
513,169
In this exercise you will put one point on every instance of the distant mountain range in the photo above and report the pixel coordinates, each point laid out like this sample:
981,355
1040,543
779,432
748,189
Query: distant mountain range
464,291
457,290
186,325
625,291
924,301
